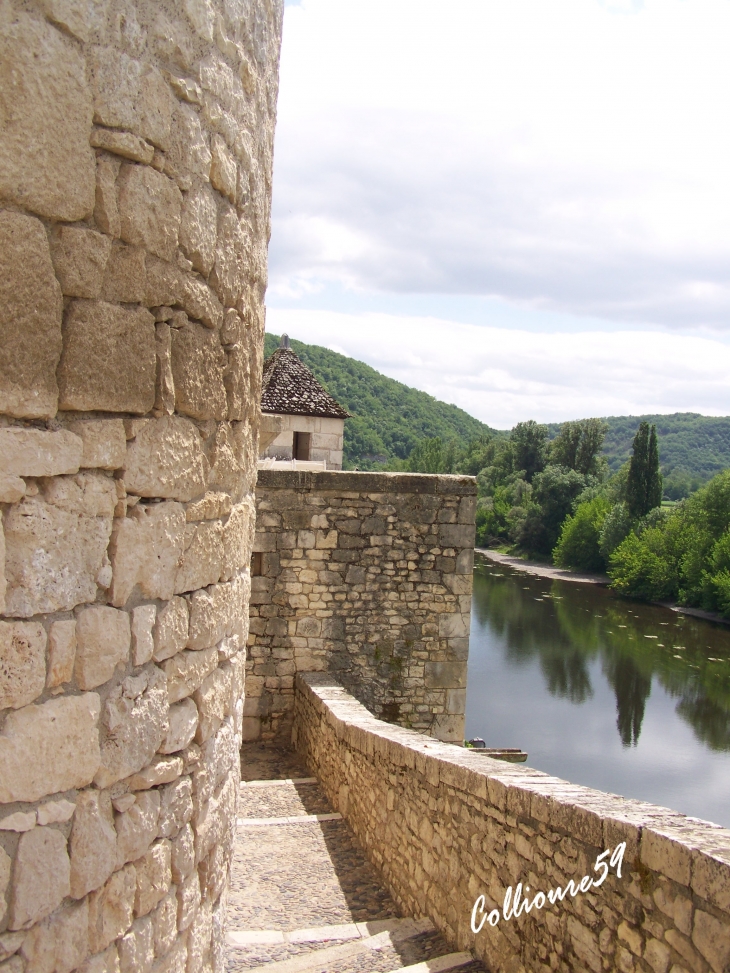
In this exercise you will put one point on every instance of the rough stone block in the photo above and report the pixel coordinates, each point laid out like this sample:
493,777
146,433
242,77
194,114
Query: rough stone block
93,843
60,943
183,720
149,210
135,721
137,827
137,947
214,700
104,445
171,629
164,924
5,869
165,385
55,812
165,283
46,162
12,488
143,643
177,806
453,625
229,271
186,671
166,459
132,95
188,153
161,770
445,675
56,544
22,663
97,371
183,854
111,909
61,652
49,748
79,258
123,143
188,900
198,362
202,559
41,876
125,279
73,16
106,210
216,612
710,936
30,318
212,507
154,877
145,550
106,962
35,452
223,172
238,384
199,228
102,643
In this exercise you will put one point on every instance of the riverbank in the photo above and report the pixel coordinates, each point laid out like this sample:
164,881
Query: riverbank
543,570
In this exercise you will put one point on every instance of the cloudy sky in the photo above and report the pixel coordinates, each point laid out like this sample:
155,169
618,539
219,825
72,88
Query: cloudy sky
520,206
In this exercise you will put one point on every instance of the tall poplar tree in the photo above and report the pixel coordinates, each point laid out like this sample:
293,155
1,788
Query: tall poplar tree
644,483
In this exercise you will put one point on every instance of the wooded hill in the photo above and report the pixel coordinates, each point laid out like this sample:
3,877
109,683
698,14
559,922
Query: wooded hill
389,418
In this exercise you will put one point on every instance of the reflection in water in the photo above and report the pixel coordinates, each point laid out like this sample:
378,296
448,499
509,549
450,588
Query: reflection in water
535,640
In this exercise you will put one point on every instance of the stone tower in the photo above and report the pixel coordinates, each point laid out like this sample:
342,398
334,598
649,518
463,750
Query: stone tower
135,183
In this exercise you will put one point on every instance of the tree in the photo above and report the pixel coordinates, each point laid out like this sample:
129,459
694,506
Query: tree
578,445
644,482
529,447
580,536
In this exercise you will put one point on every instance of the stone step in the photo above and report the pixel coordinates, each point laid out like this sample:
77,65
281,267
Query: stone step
292,819
282,799
247,784
452,961
320,934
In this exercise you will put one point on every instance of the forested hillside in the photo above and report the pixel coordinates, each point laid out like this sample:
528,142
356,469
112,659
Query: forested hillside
388,418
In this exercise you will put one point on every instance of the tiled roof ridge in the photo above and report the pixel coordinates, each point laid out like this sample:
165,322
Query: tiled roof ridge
289,388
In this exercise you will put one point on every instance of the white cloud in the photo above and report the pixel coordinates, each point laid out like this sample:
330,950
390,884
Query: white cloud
569,156
502,376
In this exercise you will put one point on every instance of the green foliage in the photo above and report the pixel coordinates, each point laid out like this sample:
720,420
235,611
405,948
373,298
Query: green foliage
578,446
388,418
529,447
617,526
644,482
579,544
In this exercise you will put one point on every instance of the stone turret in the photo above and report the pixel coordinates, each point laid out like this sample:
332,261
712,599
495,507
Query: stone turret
136,145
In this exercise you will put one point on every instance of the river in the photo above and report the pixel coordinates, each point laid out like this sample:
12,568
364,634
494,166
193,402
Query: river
602,691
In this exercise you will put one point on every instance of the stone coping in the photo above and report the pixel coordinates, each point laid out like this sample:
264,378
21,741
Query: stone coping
335,481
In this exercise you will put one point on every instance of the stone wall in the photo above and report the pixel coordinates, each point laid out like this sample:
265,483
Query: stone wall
444,825
325,444
367,576
135,175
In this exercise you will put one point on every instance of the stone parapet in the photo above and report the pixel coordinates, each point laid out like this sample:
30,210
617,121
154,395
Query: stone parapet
445,826
368,575
135,180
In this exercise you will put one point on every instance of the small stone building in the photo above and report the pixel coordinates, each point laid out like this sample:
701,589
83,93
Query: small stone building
306,423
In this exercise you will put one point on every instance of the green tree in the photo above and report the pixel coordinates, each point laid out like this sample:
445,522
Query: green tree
578,445
644,482
554,492
529,447
580,536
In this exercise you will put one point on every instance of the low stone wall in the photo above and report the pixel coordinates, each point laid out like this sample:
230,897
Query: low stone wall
444,826
369,576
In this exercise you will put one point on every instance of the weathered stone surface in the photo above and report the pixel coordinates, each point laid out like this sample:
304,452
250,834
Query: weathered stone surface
111,908
3,583
74,15
102,643
20,821
165,385
145,550
143,623
106,962
165,283
162,770
46,162
211,507
22,663
186,671
166,459
97,371
35,452
56,544
199,936
149,210
201,303
60,943
79,258
188,900
710,937
199,228
189,152
49,748
104,444
238,535
183,854
202,556
164,923
233,449
30,318
106,210
198,362
93,843
137,827
229,272
183,719
238,384
216,612
5,868
177,806
131,95
214,699
153,877
55,812
135,723
123,143
126,275
40,876
137,947
212,821
171,629
223,173
12,488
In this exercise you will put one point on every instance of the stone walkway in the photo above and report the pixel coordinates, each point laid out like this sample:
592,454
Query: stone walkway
303,898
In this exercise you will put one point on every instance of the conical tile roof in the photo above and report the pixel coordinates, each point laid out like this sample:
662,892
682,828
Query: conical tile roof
289,388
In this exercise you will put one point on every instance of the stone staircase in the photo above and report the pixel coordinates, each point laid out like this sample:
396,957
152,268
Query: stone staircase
303,898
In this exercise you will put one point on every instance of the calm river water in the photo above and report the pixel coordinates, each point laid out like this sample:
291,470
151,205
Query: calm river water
602,691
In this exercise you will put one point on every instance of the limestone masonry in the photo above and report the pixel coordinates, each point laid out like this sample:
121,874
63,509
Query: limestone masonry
368,576
444,825
135,183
